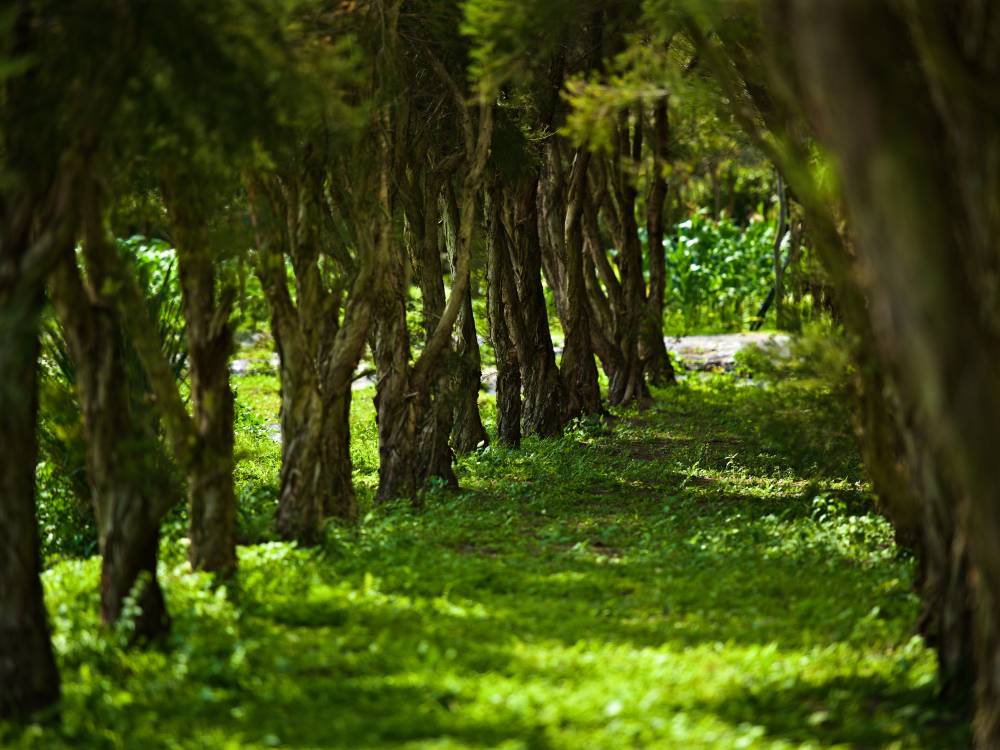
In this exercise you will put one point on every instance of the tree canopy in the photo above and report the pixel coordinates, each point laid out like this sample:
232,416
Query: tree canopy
458,238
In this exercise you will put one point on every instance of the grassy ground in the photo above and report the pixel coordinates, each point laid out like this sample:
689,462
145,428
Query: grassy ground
707,574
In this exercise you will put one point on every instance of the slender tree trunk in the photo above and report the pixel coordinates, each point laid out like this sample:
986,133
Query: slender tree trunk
508,366
561,213
435,419
779,270
543,409
626,383
395,404
652,347
211,494
467,432
29,680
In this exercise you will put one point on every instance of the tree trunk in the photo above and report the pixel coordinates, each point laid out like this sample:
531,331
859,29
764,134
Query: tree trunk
921,507
467,433
652,347
395,404
315,359
126,473
544,393
435,418
918,227
626,383
779,270
211,495
560,207
212,498
29,680
508,367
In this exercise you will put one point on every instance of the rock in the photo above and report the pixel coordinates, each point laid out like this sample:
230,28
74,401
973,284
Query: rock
718,352
250,339
489,380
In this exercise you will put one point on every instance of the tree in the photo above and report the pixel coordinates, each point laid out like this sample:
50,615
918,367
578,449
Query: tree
54,105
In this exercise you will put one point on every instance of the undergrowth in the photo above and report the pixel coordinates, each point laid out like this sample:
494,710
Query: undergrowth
706,574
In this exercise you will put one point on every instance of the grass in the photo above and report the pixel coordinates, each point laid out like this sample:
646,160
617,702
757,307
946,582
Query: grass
706,574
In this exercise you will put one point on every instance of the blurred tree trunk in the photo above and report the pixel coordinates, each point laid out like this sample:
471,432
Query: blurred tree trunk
128,489
207,312
910,480
29,680
921,196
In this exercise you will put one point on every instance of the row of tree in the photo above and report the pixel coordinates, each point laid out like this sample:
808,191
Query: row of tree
361,149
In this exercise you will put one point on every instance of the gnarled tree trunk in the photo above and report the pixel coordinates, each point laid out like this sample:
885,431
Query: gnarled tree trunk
124,470
318,354
508,366
543,410
467,432
560,211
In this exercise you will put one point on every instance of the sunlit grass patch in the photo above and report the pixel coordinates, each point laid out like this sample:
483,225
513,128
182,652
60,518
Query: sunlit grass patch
709,573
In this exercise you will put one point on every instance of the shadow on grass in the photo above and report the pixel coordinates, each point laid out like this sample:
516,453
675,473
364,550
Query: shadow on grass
856,711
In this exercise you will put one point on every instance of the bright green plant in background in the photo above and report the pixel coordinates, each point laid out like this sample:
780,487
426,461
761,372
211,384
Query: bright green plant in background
718,273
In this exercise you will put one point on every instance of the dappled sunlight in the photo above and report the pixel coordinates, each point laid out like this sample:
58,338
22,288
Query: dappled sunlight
678,598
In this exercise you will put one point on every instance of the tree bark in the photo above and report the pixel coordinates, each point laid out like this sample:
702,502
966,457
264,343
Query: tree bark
129,491
403,396
508,366
395,403
626,383
910,207
434,454
560,208
467,432
29,680
211,494
544,394
652,347
317,355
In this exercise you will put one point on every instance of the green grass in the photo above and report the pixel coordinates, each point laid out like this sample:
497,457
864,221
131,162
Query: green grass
706,574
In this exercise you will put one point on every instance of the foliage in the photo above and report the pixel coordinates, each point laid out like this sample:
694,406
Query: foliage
718,273
630,584
817,356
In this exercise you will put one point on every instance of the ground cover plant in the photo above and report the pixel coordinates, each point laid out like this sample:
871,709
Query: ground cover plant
627,585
